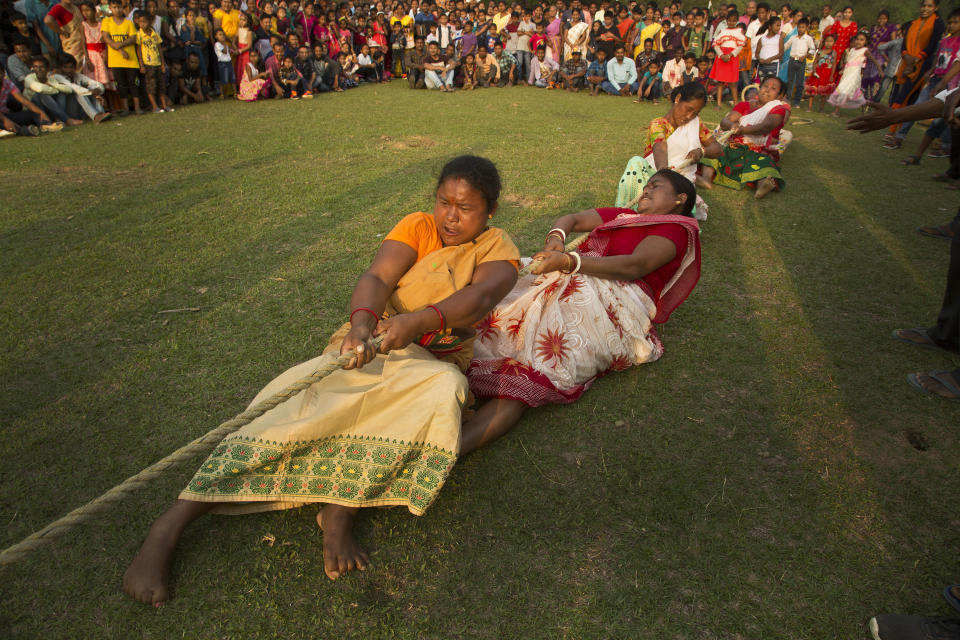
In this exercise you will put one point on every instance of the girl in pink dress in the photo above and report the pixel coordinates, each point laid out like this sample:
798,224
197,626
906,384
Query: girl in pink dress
95,60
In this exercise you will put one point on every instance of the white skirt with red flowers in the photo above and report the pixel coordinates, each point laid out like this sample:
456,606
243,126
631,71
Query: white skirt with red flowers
556,333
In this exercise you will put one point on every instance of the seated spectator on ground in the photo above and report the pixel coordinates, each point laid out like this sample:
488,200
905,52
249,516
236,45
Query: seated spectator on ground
29,119
85,90
41,89
325,70
650,85
468,72
488,70
348,70
413,64
255,81
193,82
621,75
367,68
291,82
435,72
543,70
304,65
597,72
573,73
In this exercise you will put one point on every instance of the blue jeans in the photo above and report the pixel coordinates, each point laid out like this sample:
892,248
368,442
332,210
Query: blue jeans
523,63
606,86
923,97
795,81
225,73
434,80
55,106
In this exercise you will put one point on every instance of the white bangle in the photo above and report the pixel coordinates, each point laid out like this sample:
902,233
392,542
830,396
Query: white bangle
576,256
563,234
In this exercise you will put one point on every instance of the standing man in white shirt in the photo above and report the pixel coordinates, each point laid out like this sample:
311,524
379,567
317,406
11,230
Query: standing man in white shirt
763,12
801,44
827,20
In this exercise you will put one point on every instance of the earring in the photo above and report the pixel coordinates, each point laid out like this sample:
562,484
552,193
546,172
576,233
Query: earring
490,215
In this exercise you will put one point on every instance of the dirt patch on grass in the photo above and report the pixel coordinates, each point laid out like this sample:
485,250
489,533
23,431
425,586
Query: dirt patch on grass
530,202
410,142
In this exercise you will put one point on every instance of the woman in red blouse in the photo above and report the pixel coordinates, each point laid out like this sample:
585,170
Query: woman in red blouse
588,312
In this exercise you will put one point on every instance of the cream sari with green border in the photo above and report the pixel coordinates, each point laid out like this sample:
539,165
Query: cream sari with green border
384,435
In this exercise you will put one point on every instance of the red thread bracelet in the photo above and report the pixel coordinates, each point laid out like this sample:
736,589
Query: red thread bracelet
443,323
370,311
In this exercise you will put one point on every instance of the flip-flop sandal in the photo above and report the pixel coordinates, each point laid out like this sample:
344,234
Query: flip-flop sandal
934,232
953,186
938,376
942,177
928,344
911,160
952,594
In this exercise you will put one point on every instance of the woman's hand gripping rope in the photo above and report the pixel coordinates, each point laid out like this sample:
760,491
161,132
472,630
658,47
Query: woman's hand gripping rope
571,246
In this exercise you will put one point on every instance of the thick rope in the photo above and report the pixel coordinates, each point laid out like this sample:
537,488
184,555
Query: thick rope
573,244
57,529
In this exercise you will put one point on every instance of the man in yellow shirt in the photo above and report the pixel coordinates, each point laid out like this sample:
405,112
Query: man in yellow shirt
120,36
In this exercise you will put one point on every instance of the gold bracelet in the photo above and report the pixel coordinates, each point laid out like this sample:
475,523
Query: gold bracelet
558,231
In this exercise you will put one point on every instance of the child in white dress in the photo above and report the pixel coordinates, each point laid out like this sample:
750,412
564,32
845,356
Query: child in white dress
848,93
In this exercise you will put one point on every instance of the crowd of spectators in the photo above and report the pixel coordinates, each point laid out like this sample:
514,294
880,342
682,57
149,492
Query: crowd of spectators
66,62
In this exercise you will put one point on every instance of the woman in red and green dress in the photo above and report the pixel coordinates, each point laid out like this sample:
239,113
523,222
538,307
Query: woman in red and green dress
751,157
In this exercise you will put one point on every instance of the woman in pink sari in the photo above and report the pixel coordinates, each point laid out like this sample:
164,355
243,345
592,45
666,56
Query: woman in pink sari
586,313
553,33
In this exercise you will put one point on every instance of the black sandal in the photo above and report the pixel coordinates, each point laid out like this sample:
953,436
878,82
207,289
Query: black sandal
911,160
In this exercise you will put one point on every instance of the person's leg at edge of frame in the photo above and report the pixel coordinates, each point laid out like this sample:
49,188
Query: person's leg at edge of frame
947,330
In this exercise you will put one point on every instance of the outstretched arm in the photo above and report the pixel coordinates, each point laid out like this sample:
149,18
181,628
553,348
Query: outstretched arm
882,116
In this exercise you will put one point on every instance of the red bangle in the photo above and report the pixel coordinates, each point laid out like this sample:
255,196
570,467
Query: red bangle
370,311
443,323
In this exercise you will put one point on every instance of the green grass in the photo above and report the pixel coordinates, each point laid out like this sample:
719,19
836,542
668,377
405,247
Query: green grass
754,483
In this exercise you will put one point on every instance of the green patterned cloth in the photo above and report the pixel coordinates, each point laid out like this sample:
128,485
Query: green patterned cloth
738,167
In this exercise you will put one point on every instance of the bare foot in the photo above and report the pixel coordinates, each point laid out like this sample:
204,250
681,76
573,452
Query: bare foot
703,183
148,576
764,187
341,553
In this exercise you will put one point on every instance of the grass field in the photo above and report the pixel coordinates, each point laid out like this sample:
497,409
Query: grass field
757,482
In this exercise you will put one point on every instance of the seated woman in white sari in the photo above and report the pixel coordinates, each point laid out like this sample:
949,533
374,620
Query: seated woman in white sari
676,141
586,313
752,155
